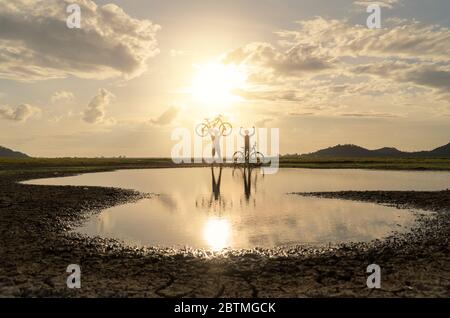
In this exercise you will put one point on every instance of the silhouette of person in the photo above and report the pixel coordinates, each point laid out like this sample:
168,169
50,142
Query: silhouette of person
247,137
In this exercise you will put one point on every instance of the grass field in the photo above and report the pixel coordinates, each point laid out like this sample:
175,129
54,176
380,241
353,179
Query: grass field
74,165
87,164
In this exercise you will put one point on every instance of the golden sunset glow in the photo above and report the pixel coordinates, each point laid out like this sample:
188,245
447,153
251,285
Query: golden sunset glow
224,150
215,83
216,233
143,68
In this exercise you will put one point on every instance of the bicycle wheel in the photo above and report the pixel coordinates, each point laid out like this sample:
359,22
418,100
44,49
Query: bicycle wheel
202,130
238,157
257,157
226,129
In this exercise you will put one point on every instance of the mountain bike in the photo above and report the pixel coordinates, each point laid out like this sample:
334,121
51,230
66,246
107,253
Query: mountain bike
203,129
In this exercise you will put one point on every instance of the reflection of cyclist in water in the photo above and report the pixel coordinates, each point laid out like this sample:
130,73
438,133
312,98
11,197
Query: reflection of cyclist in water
247,137
247,174
216,184
247,178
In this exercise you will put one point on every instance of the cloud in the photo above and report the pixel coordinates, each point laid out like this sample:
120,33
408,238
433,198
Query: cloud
429,75
300,114
369,115
426,75
405,39
63,96
96,109
263,122
36,44
167,117
175,53
20,113
273,62
323,65
382,3
276,94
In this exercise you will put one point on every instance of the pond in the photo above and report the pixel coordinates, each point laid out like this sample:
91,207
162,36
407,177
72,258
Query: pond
237,208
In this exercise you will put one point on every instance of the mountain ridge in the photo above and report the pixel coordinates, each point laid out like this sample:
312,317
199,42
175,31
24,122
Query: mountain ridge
9,153
351,150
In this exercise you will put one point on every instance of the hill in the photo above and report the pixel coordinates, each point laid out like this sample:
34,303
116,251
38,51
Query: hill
8,153
357,151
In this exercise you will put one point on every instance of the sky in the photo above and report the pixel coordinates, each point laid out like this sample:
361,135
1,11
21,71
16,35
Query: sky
138,69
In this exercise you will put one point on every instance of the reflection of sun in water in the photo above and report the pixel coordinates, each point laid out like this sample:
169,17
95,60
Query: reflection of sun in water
217,233
214,83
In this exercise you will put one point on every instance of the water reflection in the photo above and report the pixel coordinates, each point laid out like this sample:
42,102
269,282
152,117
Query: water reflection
219,201
216,184
217,232
217,229
218,208
246,174
215,202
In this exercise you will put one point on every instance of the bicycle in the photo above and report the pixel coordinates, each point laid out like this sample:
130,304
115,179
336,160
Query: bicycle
224,127
254,156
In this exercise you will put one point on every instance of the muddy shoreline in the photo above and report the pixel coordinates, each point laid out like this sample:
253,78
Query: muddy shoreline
36,249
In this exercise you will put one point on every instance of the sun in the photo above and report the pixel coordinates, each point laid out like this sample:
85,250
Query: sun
216,83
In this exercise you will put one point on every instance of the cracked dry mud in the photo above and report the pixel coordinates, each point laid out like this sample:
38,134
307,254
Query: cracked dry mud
36,248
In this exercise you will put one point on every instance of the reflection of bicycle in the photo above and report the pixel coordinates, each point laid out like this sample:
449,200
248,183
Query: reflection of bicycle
254,157
224,127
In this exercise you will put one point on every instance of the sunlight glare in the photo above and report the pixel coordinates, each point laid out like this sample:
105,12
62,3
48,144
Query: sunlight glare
217,233
215,83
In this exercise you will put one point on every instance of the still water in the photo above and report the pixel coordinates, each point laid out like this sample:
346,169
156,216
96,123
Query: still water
237,208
